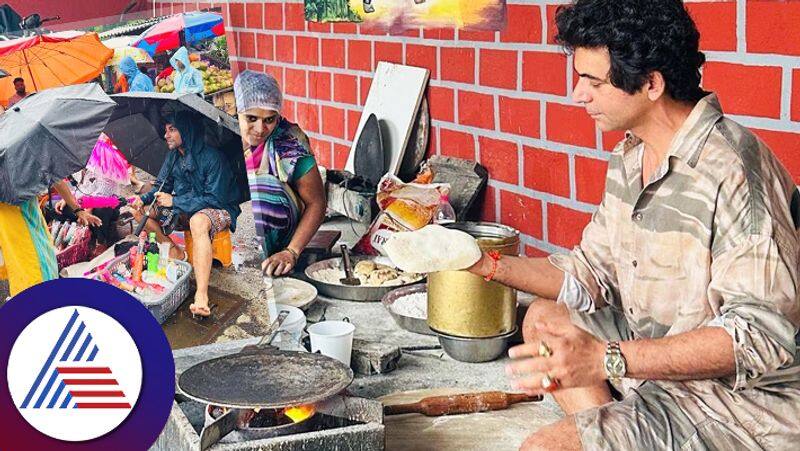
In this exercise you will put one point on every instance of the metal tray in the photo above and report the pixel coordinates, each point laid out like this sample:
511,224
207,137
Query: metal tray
411,324
351,293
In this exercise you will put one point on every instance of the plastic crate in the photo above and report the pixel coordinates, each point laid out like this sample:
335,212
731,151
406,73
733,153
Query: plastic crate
167,304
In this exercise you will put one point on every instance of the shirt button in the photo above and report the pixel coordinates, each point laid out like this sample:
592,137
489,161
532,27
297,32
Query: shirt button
630,310
635,263
637,217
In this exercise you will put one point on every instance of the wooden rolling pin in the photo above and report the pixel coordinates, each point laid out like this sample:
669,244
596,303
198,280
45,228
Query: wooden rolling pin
434,406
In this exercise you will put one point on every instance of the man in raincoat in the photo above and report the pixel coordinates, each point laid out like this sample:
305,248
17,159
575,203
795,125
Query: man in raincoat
137,81
201,187
187,78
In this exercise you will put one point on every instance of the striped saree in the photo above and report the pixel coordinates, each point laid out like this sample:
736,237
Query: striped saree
270,169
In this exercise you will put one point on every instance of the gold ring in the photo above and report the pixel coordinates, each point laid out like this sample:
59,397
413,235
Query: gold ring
544,350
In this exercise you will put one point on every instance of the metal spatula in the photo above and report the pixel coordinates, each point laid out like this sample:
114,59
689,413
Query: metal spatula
349,279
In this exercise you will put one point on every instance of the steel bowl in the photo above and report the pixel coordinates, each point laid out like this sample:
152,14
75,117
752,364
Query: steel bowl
411,324
475,350
351,293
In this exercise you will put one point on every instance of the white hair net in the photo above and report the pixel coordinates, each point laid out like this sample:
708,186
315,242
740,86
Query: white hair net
257,90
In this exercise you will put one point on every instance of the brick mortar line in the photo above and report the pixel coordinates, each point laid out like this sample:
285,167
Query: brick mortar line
741,26
786,94
544,222
541,245
543,196
573,176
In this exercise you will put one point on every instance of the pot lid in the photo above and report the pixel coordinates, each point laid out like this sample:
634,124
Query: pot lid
265,379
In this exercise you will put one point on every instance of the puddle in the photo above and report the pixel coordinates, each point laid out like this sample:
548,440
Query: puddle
183,331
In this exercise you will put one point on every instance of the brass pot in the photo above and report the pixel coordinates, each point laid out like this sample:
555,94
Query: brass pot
465,305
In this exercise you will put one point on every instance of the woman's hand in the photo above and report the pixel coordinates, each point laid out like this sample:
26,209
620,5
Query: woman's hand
86,218
59,207
279,263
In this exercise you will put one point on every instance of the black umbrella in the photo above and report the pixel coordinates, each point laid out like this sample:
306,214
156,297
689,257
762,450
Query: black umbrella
48,136
137,129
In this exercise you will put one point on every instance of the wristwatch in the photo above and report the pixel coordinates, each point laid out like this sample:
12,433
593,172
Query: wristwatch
614,362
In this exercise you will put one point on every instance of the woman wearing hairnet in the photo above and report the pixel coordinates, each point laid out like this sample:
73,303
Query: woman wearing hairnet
285,184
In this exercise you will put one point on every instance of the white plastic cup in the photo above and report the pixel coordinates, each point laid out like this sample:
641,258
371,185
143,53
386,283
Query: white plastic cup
333,339
294,324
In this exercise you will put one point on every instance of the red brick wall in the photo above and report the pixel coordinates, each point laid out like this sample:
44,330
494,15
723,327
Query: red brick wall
83,12
503,98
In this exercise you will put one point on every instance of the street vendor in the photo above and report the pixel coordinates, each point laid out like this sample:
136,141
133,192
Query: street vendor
675,324
137,81
200,186
285,183
25,242
187,78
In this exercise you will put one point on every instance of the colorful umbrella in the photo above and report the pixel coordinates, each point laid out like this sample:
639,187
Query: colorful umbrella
47,61
106,159
166,35
140,56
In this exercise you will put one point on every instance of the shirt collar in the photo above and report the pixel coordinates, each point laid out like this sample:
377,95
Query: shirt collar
692,135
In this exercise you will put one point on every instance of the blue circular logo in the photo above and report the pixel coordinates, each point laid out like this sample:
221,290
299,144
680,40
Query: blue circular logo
88,367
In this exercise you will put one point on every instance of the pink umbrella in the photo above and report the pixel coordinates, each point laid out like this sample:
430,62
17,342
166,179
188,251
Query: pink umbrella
107,160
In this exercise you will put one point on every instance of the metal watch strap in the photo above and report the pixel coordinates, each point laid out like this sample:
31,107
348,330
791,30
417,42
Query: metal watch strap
613,352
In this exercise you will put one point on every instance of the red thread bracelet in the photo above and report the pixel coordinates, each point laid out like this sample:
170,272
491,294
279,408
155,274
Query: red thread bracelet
495,256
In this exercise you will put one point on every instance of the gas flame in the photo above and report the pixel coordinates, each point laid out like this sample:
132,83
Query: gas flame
299,413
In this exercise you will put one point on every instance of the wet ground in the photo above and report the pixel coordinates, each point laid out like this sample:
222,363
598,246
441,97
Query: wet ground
184,330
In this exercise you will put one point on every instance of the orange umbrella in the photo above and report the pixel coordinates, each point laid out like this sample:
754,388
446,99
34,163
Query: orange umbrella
46,61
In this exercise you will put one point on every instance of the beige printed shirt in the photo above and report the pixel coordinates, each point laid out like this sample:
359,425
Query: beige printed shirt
711,240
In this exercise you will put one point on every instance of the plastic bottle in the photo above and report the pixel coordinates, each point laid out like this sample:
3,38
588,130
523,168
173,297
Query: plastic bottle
444,212
152,254
137,260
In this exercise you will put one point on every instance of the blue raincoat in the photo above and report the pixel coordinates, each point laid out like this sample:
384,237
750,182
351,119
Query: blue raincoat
137,81
189,79
201,177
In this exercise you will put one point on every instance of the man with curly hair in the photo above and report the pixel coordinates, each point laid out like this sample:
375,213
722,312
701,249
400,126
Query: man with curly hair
676,320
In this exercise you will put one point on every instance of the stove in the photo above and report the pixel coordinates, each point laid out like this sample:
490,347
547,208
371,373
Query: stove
341,422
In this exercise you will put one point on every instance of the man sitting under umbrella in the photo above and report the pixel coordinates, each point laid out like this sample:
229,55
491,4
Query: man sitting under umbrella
200,186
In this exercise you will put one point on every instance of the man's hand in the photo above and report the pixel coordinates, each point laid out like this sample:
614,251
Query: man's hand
86,218
164,199
137,203
59,207
576,360
279,263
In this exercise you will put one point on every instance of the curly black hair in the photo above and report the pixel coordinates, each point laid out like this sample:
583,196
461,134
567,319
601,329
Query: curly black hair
642,36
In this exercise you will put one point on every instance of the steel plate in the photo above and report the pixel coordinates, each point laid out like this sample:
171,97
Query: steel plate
265,379
363,293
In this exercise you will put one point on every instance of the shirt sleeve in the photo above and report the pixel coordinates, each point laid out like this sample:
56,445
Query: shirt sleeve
304,165
754,284
591,263
573,295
